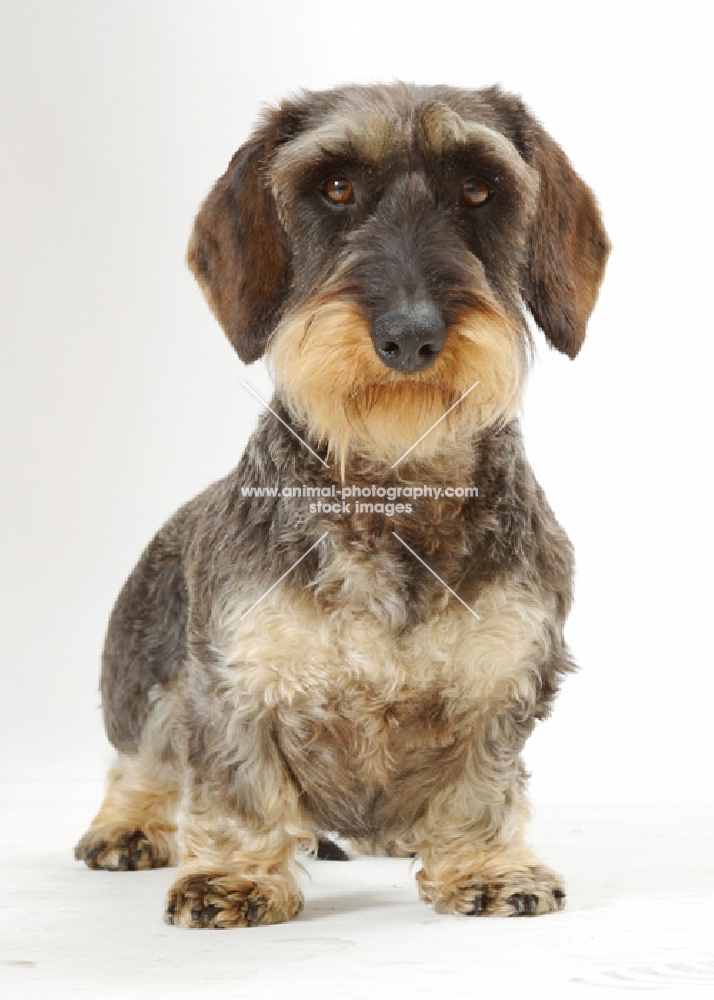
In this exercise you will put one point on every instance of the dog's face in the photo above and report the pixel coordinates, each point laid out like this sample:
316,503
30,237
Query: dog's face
379,242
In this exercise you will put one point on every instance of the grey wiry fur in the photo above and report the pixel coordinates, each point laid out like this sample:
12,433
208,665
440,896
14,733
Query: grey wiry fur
359,696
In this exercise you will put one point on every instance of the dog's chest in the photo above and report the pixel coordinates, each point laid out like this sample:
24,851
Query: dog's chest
369,713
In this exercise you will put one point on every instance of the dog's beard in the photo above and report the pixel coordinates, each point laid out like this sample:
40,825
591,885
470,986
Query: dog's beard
328,374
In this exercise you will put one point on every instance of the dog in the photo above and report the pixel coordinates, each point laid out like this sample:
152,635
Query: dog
279,669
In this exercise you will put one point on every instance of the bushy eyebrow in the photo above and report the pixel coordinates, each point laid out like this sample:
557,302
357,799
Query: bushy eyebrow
368,137
373,136
445,134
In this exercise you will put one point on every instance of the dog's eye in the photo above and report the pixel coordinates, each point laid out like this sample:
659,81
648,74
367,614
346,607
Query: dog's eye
475,192
339,190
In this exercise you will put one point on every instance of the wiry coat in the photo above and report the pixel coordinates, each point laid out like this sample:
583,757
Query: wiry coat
357,695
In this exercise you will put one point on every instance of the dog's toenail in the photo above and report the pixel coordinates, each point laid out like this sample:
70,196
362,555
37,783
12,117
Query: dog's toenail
517,903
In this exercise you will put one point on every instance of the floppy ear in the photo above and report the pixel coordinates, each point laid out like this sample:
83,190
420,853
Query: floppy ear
238,251
567,251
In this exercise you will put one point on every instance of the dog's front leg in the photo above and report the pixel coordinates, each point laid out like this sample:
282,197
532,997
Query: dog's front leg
239,825
471,840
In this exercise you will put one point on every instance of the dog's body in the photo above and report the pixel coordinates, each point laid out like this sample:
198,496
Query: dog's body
284,672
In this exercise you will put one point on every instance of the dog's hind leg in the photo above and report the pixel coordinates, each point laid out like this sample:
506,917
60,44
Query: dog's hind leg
141,668
135,827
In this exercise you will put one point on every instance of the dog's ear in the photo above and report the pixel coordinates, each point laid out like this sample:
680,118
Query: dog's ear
238,251
568,247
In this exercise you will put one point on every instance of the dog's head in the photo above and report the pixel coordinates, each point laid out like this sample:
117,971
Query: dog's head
379,242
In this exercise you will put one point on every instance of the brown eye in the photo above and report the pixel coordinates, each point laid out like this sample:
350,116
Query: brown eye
339,190
475,192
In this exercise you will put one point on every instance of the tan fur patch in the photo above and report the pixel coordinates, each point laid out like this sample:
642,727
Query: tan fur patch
135,827
366,408
510,882
373,717
203,897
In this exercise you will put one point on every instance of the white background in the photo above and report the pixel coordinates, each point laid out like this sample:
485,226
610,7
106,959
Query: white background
121,398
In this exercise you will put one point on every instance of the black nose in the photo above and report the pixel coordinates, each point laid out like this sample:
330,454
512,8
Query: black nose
409,339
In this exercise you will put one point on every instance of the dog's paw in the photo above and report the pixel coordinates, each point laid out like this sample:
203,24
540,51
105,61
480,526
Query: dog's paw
222,900
523,892
118,849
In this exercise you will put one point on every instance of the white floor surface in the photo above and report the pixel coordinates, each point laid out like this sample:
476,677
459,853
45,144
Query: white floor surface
640,919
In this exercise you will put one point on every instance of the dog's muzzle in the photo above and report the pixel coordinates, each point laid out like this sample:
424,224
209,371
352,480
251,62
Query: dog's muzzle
409,339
